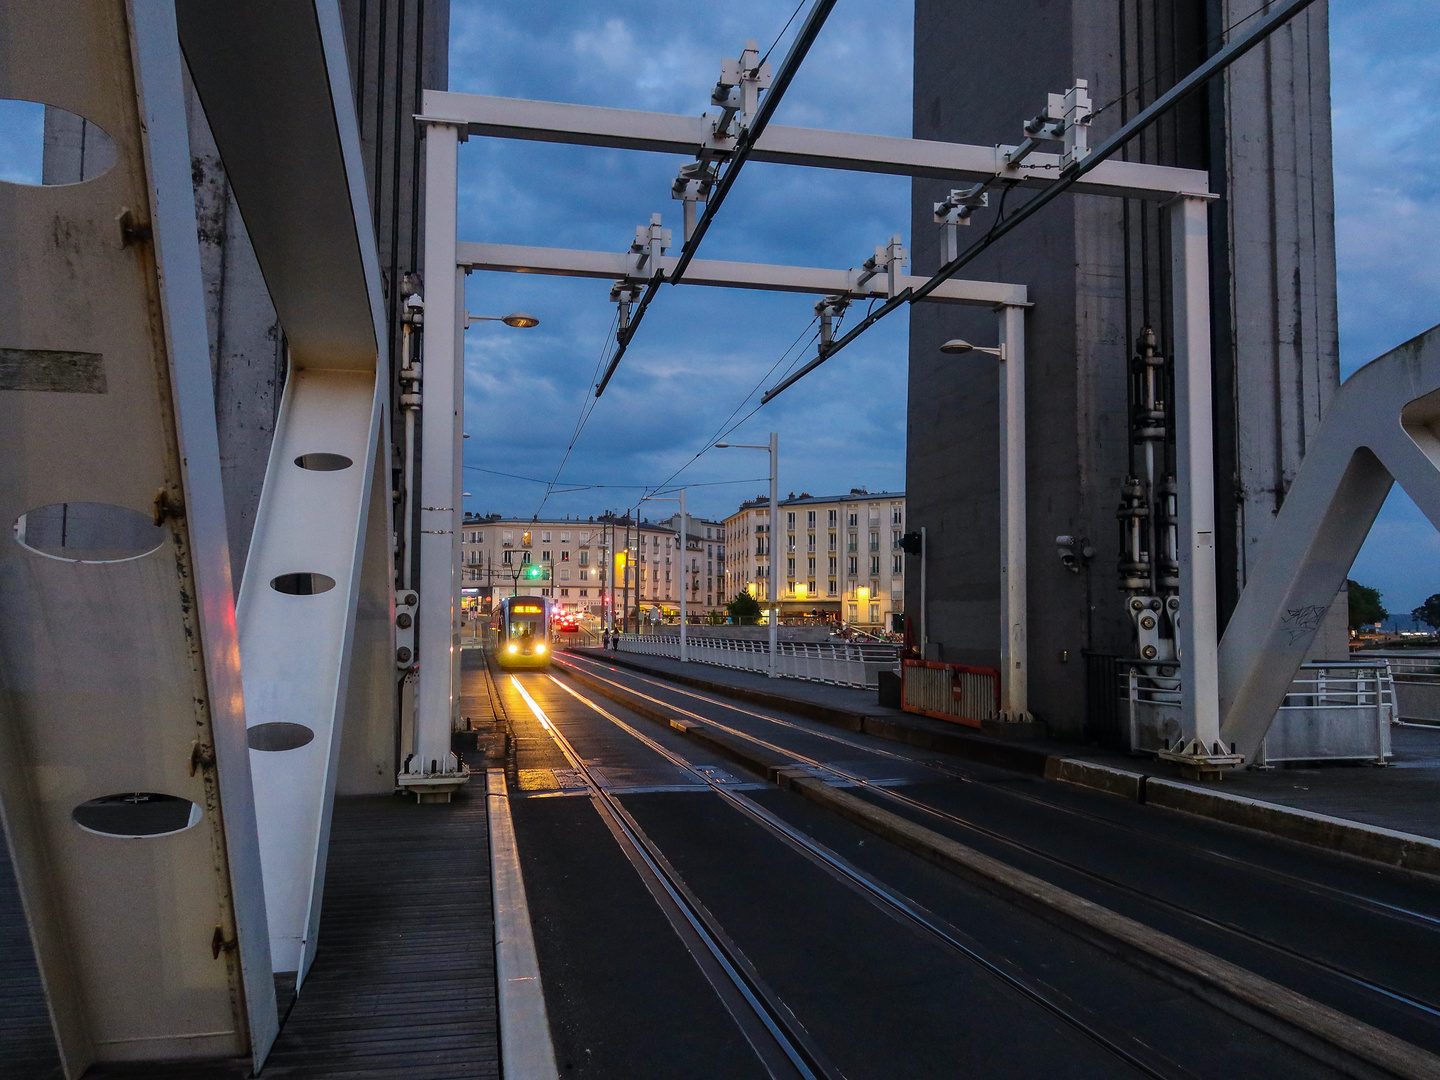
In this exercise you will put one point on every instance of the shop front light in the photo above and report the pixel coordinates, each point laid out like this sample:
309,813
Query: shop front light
513,648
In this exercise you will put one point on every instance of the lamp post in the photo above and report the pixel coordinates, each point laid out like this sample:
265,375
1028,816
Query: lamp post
774,587
1014,664
684,537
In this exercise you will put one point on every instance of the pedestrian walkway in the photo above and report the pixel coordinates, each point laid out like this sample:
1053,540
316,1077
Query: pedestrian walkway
1405,797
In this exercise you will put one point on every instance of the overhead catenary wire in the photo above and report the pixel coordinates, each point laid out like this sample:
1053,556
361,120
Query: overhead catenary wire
744,144
1281,14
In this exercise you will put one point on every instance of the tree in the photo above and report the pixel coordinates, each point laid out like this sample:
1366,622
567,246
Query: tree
1428,612
744,609
1365,606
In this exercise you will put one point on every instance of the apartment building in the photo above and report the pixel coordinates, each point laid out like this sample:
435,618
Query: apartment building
842,555
571,556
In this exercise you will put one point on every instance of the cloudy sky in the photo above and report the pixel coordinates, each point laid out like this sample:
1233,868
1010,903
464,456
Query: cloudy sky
703,351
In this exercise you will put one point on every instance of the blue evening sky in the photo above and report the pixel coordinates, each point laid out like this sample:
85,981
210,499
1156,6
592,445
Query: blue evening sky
702,351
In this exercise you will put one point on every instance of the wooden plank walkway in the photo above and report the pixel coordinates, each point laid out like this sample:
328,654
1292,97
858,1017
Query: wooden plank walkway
27,1043
404,978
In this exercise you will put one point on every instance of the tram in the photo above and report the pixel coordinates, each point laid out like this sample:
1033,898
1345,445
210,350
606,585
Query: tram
520,629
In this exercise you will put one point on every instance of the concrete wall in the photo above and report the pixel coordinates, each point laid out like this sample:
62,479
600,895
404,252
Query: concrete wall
1097,274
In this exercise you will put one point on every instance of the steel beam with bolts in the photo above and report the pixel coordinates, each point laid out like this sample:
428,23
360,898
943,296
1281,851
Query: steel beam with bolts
124,774
314,549
665,133
562,262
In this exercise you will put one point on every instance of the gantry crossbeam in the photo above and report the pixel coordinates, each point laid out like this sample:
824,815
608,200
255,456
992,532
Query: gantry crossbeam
563,262
629,129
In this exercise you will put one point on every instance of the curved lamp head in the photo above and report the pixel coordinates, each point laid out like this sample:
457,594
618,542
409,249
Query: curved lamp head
959,346
521,320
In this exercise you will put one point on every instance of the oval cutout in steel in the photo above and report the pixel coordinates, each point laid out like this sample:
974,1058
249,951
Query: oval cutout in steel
322,462
88,532
304,583
278,735
136,814
46,146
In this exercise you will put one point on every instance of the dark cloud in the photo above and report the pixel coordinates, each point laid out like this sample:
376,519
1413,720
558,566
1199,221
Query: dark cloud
701,351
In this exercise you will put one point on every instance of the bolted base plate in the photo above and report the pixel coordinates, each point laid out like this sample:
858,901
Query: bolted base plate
434,788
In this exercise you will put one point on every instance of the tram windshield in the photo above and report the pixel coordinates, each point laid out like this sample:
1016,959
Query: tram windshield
527,621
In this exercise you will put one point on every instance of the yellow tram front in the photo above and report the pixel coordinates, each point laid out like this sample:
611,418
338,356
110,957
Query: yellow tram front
522,632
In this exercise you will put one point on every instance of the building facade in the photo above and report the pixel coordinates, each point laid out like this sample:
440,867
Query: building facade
570,557
842,556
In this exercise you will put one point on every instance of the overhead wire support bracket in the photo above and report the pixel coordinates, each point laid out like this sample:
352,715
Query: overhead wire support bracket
749,134
1282,13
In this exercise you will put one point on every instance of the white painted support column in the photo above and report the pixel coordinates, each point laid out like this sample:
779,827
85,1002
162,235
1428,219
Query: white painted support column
436,624
1196,636
1014,663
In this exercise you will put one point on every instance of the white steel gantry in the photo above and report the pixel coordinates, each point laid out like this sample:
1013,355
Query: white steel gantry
448,114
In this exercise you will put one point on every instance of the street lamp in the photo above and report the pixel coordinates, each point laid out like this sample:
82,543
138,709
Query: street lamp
959,346
774,588
518,319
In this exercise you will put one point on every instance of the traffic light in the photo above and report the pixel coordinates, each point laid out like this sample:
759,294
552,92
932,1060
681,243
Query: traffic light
532,571
910,543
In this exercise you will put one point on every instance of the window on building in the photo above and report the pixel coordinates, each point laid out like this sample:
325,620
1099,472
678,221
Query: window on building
790,519
508,536
897,516
810,518
874,613
854,520
811,545
812,566
584,558
874,514
853,564
832,590
874,564
832,518
832,541
564,538
524,558
854,612
525,539
584,575
544,537
874,540
564,573
791,563
584,592
505,557
898,565
564,592
545,556
564,556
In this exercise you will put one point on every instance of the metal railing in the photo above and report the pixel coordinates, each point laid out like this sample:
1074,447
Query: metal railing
967,695
1408,668
837,663
1339,711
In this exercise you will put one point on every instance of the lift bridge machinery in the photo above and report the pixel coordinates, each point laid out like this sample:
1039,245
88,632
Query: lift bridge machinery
135,684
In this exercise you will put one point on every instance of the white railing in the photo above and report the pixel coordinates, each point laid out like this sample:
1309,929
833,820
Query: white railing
1339,711
1409,668
838,663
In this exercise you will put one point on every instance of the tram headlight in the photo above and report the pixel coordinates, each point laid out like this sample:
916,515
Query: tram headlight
540,647
512,647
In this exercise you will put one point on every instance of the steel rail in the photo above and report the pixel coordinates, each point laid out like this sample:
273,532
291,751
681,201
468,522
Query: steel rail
701,927
1315,888
1261,940
887,899
744,145
1286,10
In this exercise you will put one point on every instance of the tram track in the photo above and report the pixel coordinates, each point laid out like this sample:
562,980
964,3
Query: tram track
1319,889
1196,917
1138,1057
1356,981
